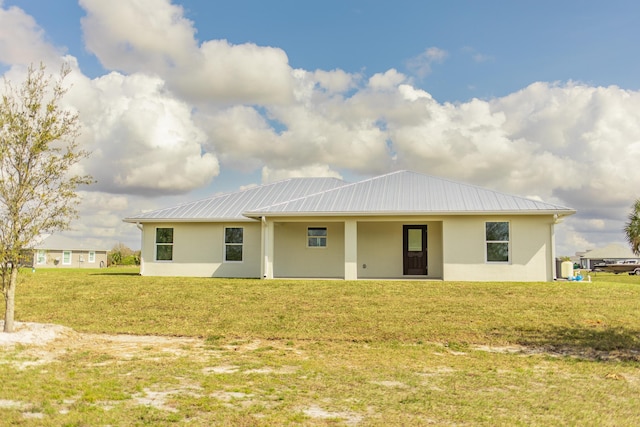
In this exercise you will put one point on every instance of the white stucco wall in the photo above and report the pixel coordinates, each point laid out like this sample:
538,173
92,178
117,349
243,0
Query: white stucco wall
292,257
380,248
456,249
464,249
198,250
79,259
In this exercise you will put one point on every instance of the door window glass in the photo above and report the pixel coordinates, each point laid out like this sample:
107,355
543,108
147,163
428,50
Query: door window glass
415,240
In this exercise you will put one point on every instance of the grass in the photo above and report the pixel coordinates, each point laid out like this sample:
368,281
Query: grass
287,352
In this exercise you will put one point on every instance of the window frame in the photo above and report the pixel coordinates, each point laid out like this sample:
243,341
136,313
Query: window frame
488,242
318,237
41,253
226,244
91,257
70,257
168,244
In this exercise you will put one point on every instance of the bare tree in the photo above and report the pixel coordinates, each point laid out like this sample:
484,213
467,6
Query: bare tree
38,149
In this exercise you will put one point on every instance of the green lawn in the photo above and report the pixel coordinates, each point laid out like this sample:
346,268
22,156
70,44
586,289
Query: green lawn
287,352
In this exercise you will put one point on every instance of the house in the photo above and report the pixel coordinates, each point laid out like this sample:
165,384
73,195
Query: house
58,251
609,254
395,226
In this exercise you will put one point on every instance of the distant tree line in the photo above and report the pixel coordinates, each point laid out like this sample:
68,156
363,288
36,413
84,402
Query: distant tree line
121,254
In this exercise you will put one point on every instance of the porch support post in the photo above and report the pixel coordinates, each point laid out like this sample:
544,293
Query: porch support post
141,228
263,247
350,249
267,272
554,273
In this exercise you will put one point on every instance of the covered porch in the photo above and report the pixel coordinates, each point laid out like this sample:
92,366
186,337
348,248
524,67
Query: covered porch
352,248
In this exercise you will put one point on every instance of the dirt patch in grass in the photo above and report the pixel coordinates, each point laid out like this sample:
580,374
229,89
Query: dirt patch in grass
43,344
33,333
270,382
47,343
316,412
624,355
5,403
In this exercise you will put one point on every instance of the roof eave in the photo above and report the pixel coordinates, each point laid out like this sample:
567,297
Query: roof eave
559,213
73,249
164,220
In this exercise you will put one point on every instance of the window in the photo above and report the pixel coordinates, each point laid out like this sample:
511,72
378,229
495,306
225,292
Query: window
164,244
42,257
233,240
317,237
92,256
414,239
66,257
497,241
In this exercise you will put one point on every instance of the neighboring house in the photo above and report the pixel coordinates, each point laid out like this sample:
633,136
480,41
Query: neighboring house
63,252
396,226
609,254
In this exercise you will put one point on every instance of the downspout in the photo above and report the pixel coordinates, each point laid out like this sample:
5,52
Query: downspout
141,228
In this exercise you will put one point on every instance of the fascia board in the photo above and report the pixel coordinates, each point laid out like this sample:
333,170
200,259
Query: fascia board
255,215
185,220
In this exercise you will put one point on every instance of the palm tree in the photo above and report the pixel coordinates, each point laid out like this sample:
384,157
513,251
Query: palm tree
632,228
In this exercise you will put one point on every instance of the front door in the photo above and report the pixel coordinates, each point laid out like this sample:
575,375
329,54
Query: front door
415,249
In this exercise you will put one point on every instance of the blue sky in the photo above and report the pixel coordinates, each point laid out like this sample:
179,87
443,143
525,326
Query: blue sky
533,98
494,47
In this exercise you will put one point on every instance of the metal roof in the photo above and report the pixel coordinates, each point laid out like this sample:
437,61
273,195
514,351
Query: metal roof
611,251
406,192
60,242
397,193
230,206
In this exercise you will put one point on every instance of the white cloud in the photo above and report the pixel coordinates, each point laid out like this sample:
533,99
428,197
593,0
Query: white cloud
143,35
435,54
597,224
239,73
387,80
241,136
100,221
593,131
96,201
142,140
318,170
421,65
568,241
335,81
479,57
22,41
476,56
153,36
